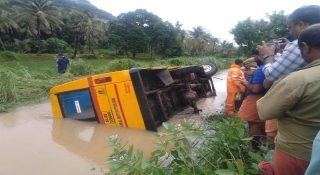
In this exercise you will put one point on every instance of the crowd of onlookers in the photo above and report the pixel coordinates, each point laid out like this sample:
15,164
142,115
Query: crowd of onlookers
282,96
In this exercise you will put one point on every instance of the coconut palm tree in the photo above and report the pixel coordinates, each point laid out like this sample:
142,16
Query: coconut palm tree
85,28
37,16
7,24
77,23
95,31
197,32
3,2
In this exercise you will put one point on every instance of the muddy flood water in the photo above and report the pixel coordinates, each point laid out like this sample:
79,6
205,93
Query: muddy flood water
33,143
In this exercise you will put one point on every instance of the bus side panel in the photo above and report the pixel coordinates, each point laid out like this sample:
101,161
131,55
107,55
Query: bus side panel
130,106
124,105
105,106
56,110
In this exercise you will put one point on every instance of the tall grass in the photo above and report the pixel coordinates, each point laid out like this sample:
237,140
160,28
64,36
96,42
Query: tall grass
79,67
222,63
122,64
27,78
8,90
7,55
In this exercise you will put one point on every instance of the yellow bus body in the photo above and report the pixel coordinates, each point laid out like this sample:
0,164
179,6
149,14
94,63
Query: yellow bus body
113,98
135,98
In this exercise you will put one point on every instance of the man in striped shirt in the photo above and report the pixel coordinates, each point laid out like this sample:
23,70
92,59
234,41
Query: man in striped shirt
291,59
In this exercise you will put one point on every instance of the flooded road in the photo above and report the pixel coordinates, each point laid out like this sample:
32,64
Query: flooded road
33,143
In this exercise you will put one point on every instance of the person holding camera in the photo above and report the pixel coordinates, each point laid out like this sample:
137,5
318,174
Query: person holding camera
249,68
248,109
290,60
294,101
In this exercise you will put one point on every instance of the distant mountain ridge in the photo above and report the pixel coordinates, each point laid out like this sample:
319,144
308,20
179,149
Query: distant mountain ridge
83,5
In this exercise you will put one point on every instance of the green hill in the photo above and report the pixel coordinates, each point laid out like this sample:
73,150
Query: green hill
83,5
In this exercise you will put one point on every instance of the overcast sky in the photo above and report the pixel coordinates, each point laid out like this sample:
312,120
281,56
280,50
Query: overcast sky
217,17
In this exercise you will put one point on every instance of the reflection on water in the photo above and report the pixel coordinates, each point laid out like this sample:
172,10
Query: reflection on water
31,142
88,140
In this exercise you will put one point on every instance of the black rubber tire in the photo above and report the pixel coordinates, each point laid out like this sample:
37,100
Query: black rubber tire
209,69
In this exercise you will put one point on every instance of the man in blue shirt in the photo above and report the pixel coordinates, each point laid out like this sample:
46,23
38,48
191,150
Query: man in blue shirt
248,110
62,64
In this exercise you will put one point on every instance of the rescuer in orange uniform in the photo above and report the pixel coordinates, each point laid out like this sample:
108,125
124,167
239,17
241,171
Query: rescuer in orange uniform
234,85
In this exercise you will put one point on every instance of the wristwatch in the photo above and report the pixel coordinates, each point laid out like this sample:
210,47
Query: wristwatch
265,56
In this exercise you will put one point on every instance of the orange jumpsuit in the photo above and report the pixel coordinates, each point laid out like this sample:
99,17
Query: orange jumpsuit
235,76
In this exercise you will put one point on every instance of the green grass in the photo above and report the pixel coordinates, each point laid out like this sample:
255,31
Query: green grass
32,75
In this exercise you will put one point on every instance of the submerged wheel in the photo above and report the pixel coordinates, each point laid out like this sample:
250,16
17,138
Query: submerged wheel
209,69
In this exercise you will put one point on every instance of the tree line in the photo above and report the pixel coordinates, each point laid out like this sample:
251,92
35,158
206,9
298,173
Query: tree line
53,26
249,33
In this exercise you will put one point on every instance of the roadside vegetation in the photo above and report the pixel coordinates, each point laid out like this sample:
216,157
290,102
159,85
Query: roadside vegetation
220,145
27,78
33,32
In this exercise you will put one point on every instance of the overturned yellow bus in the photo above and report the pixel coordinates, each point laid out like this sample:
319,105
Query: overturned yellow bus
135,98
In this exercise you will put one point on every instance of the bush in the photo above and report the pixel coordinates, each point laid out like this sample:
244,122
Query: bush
100,70
208,60
40,46
88,56
224,63
30,45
41,76
106,52
51,45
79,68
8,92
22,46
220,146
55,45
180,61
122,64
7,55
175,62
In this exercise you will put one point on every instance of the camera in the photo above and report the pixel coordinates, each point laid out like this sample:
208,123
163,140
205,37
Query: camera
279,44
278,41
